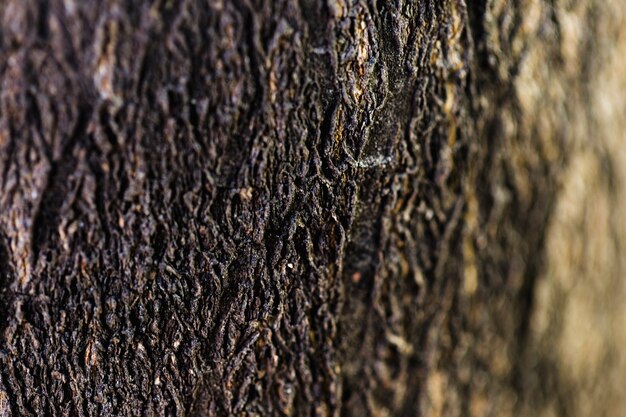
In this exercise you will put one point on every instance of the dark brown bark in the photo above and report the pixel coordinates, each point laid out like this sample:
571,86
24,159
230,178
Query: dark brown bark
261,207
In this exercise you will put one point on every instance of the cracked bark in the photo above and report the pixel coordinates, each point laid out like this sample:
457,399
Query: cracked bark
262,207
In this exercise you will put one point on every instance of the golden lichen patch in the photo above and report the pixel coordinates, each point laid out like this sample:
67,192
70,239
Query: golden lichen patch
456,48
106,42
403,345
339,125
450,66
362,57
436,386
20,246
5,406
337,8
572,31
448,108
470,272
91,353
479,404
273,85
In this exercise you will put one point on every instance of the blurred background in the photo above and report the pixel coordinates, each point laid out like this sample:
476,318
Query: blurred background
578,347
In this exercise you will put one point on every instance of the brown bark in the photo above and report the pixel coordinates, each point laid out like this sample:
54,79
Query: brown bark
261,207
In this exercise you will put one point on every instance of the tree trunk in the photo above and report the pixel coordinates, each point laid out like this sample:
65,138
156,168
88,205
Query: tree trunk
280,207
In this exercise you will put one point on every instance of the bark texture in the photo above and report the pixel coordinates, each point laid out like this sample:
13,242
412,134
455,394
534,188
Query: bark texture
308,208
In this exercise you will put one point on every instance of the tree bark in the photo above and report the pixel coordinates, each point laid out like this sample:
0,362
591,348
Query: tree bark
279,207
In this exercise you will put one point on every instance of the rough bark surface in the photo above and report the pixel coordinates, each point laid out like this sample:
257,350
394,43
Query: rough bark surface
280,207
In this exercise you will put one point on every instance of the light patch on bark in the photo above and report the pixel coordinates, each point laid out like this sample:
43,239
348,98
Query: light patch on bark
106,40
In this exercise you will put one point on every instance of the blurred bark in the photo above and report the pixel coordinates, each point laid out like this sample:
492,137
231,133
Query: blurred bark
278,207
